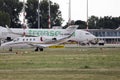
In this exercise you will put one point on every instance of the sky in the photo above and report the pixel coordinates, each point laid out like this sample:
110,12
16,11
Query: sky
99,8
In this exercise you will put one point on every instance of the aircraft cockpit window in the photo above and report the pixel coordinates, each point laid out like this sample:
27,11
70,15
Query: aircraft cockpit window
17,39
87,33
14,40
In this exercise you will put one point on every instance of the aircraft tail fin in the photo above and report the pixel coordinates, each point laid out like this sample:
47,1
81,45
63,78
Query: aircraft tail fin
70,30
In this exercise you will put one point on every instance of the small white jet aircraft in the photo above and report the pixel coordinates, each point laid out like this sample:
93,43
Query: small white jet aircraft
9,34
41,42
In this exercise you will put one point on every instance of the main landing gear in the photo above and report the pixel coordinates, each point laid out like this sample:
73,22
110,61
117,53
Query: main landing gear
10,49
0,42
37,49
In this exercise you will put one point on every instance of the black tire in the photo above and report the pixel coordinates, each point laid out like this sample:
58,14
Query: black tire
36,49
10,49
41,49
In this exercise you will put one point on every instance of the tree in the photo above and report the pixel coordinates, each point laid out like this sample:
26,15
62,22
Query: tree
92,22
32,14
109,22
82,24
4,19
13,8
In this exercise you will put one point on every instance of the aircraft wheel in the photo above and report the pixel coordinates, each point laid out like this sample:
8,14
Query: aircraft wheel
36,49
41,49
10,49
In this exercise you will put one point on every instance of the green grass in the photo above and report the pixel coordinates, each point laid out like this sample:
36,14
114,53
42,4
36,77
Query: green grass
61,64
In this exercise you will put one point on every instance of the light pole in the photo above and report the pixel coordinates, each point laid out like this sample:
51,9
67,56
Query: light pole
24,12
87,15
38,15
69,13
49,21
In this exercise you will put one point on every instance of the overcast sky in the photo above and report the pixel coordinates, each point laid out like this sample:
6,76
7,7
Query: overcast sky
95,7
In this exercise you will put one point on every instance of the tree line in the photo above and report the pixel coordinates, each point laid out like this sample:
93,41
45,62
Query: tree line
10,15
106,22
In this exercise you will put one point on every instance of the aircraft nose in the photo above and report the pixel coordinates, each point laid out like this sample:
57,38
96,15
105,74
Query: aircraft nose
93,39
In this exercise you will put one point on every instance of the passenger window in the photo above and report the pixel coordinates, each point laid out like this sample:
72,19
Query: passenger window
30,39
26,39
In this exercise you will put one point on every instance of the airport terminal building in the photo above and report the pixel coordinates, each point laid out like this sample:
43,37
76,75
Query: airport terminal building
110,36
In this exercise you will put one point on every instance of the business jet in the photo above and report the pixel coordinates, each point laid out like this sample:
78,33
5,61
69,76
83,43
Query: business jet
8,34
41,42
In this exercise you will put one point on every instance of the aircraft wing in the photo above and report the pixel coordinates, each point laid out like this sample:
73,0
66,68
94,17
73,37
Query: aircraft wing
50,43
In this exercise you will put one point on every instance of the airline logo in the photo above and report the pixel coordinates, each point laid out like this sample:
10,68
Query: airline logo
45,32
